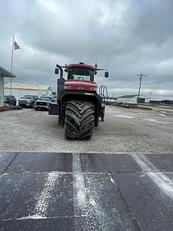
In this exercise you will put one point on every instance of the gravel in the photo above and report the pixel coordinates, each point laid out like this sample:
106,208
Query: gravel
124,131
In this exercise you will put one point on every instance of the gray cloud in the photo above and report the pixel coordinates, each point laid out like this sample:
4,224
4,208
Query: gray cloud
128,37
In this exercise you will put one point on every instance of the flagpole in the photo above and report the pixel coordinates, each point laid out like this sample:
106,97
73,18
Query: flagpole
11,66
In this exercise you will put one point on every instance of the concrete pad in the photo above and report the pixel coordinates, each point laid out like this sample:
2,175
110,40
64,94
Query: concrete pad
5,160
25,196
38,199
108,163
41,162
152,208
59,224
163,162
61,191
101,207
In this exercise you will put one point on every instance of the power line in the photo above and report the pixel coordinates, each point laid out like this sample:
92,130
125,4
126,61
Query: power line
140,83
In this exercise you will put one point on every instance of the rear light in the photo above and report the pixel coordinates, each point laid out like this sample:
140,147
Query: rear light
67,87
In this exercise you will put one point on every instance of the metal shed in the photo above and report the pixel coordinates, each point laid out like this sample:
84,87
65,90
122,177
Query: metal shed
4,73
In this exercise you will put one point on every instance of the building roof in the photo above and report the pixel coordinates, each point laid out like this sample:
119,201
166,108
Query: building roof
130,96
5,73
127,96
28,86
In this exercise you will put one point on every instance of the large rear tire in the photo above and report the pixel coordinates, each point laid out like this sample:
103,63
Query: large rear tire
79,119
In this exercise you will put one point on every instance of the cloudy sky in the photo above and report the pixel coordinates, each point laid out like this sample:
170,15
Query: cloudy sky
126,36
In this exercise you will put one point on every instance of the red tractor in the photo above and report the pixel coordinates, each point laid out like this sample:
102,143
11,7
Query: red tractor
78,104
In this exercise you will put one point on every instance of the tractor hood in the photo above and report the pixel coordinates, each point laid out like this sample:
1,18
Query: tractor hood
80,85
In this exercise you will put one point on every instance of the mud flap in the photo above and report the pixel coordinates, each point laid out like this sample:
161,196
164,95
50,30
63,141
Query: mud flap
102,112
53,109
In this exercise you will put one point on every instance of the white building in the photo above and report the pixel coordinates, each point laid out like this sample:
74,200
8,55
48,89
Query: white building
3,73
130,99
21,89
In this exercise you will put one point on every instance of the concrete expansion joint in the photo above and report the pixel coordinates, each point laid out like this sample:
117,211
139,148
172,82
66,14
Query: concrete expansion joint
9,164
132,216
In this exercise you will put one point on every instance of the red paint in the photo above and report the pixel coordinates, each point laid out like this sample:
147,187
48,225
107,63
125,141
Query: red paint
80,85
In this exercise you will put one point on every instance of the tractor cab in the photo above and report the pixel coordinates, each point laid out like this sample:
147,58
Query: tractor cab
80,72
80,77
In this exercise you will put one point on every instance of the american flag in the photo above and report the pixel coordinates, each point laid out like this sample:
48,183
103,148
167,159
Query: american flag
16,45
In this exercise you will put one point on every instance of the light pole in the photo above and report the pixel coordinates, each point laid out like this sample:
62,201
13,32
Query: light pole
140,83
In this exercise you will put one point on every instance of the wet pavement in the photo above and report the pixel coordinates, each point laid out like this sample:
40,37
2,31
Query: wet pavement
71,191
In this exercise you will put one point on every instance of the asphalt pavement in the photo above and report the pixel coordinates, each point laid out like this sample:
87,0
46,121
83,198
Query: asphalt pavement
75,192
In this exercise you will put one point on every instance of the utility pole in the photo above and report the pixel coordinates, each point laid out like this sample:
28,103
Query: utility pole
140,83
